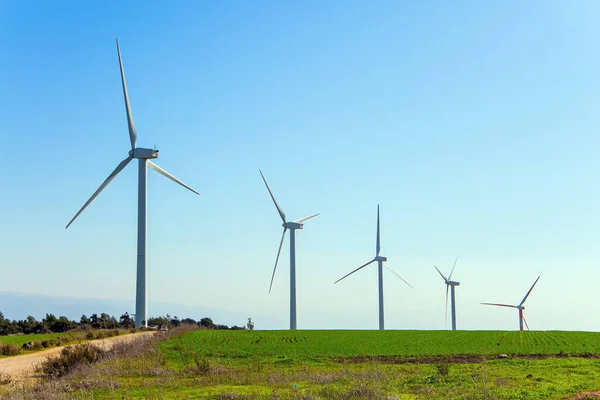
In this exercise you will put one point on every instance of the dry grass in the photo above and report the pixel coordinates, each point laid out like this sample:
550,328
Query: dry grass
82,368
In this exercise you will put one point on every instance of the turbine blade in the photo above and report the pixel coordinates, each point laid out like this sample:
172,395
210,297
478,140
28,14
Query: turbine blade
168,175
281,213
527,295
378,246
526,324
440,272
499,305
132,132
446,316
362,266
450,277
277,259
112,176
305,218
385,265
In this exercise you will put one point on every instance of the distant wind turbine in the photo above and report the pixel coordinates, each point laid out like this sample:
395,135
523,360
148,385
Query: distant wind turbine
520,307
292,226
450,284
380,263
144,156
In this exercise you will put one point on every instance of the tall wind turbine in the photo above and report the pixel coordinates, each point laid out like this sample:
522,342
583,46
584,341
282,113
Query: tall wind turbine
450,284
380,264
292,226
520,307
143,155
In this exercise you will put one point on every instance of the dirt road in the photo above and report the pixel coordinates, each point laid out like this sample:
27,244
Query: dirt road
19,367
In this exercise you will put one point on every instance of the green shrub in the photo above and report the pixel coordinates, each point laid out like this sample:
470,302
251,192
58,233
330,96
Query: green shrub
443,368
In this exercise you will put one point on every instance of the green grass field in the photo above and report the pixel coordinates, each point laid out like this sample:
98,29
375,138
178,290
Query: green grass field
44,341
323,345
19,340
235,365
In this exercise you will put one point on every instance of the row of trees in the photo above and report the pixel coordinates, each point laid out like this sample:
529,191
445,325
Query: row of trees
52,324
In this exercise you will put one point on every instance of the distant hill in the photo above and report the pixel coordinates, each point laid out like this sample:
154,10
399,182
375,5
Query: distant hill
20,305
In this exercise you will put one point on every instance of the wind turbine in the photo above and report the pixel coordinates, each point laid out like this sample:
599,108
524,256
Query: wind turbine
380,263
143,155
292,226
450,284
520,307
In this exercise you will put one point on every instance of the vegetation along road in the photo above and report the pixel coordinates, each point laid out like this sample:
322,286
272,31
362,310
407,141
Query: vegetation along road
23,366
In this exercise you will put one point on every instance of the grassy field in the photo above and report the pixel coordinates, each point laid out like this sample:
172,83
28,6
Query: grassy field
19,340
207,364
315,346
43,341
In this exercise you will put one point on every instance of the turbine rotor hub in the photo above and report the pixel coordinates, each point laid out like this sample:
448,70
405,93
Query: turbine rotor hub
141,153
292,225
380,258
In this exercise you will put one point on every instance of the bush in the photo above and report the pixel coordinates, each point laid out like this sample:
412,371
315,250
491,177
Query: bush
70,358
9,349
443,368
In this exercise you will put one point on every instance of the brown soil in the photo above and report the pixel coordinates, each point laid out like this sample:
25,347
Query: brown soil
587,396
455,359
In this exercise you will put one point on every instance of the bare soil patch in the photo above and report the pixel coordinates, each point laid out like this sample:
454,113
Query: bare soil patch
455,359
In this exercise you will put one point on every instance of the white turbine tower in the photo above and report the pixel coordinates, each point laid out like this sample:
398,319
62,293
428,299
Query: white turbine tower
380,263
450,284
143,155
292,226
520,307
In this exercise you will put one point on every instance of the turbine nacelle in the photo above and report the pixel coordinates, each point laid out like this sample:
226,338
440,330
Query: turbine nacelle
292,225
453,283
142,153
380,258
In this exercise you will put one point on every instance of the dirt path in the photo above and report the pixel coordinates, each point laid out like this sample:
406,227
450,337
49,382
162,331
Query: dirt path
19,367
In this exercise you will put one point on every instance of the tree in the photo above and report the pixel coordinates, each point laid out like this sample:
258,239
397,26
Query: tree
85,320
207,323
126,322
48,321
250,325
94,321
63,324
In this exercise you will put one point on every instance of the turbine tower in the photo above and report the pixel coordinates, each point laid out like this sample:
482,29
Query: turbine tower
520,307
380,264
144,156
450,284
292,226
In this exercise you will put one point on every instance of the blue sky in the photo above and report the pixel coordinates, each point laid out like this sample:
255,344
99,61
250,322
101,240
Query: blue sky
473,124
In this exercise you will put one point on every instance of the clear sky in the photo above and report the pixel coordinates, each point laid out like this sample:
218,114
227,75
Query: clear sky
474,124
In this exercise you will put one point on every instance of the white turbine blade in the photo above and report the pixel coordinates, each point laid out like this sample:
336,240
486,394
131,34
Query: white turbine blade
112,176
398,275
499,305
132,132
440,272
446,314
378,246
450,277
347,275
168,175
526,324
279,210
277,259
527,295
305,218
